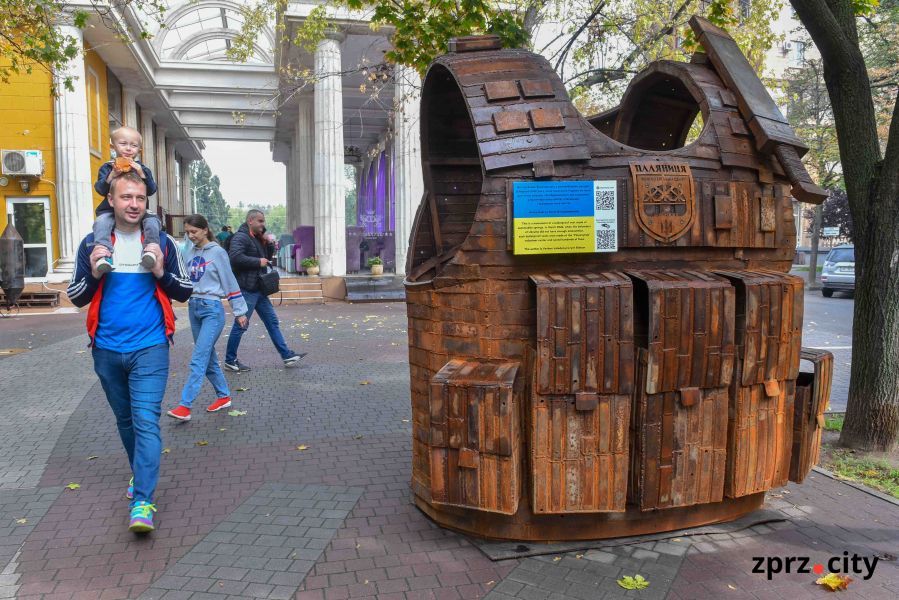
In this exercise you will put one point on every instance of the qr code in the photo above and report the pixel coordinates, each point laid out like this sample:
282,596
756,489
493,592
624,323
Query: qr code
604,199
605,239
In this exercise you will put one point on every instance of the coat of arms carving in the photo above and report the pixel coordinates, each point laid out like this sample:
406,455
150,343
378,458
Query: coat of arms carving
664,198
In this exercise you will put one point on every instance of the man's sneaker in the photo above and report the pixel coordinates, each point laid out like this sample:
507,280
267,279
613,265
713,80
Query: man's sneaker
130,493
104,265
148,260
142,517
292,361
182,413
236,366
219,404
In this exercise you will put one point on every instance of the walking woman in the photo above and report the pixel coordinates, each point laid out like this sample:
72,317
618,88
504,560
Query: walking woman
210,271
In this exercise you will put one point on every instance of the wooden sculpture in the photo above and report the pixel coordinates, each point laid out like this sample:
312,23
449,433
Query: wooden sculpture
604,337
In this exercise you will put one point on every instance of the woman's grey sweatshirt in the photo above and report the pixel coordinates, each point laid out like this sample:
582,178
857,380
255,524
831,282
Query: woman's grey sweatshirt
209,269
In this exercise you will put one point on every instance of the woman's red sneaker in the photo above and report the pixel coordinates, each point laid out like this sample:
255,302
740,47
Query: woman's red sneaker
219,404
182,413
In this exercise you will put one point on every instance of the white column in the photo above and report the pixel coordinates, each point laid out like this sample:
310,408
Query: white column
293,198
129,107
186,202
171,166
74,201
305,148
147,153
327,186
407,170
162,176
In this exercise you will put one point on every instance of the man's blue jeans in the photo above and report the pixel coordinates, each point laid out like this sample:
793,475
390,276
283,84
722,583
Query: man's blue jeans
207,320
261,304
134,383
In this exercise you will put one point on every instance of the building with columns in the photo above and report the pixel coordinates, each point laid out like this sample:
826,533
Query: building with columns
179,89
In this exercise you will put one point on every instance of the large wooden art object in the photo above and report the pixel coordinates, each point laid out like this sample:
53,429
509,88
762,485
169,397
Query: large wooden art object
604,336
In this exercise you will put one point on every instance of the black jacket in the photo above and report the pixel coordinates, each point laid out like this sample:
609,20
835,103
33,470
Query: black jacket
245,251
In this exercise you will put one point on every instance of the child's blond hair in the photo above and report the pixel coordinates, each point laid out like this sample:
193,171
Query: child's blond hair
126,129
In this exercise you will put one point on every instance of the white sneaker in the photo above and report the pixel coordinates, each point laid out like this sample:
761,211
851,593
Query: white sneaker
104,265
148,260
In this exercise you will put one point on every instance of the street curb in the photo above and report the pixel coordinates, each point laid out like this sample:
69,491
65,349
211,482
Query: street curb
858,486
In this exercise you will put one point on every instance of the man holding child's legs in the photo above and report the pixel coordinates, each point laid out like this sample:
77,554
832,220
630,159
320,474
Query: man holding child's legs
130,323
249,260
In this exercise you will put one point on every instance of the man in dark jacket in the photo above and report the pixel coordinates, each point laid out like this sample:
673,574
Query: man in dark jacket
249,260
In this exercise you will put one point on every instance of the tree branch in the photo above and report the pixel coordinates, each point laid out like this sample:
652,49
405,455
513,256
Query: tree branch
890,166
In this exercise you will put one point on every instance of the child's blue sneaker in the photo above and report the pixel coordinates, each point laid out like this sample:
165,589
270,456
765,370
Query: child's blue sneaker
104,265
142,517
130,493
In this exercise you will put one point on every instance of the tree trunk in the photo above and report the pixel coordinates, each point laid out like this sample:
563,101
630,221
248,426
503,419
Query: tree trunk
813,255
872,185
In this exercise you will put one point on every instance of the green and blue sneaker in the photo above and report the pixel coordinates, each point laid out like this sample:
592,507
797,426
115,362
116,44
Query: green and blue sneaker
142,517
130,493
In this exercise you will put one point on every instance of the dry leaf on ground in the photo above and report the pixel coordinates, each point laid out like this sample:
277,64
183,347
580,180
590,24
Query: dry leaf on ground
834,581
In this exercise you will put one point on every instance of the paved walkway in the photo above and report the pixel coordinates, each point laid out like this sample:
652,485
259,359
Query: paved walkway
244,513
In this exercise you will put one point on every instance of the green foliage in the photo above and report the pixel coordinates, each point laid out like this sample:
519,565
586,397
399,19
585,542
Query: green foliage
878,474
309,261
255,18
29,40
207,197
349,195
834,423
375,260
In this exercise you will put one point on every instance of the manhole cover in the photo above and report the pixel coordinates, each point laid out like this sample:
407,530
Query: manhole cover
11,351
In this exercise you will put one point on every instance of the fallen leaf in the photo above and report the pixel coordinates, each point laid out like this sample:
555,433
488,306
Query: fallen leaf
633,583
21,521
166,450
579,556
733,587
834,581
73,486
364,382
491,582
557,558
302,447
91,457
223,429
242,390
202,443
81,352
358,436
236,413
405,420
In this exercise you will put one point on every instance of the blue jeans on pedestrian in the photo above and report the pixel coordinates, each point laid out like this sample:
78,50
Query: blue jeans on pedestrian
261,304
207,320
134,383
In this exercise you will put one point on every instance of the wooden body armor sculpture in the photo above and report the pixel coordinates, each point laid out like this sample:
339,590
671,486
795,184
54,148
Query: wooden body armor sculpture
591,394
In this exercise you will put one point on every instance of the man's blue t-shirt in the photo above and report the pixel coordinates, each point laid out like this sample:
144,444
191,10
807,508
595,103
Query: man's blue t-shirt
131,318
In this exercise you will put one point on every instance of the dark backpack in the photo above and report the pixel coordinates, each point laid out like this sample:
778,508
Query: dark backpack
227,243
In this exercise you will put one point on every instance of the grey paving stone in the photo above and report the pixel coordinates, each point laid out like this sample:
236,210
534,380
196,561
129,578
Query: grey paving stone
227,563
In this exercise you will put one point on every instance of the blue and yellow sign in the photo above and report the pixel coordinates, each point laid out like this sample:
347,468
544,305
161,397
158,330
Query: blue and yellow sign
561,217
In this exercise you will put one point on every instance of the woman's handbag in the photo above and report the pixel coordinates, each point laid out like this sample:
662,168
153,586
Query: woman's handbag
268,282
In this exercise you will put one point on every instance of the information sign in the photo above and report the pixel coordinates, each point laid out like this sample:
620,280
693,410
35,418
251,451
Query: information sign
561,217
830,231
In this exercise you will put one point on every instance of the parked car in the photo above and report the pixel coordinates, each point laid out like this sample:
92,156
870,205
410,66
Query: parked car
838,273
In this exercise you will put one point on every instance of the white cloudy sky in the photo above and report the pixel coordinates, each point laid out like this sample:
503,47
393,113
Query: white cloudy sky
247,172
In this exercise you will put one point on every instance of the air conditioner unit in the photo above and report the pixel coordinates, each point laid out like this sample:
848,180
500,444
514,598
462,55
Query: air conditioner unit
29,163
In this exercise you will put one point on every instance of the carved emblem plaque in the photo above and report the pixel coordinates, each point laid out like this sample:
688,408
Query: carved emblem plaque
664,198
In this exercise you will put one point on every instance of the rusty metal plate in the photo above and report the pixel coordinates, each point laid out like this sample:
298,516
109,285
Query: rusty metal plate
511,120
678,452
664,198
500,90
584,334
547,118
812,397
475,436
537,88
769,309
689,329
759,437
579,458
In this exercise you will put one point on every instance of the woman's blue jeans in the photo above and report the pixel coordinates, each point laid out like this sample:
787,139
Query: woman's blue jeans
207,320
134,383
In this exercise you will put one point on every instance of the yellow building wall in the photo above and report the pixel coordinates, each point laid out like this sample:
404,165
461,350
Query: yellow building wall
26,123
97,109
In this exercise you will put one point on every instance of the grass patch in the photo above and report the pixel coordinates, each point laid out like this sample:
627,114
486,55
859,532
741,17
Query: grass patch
834,422
878,474
819,268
